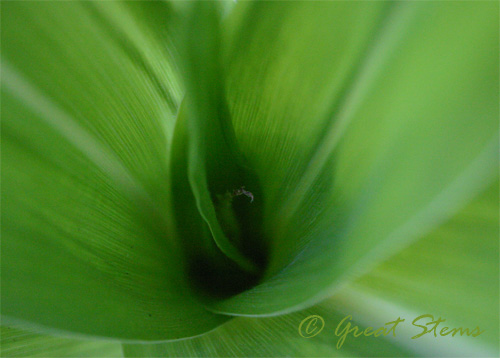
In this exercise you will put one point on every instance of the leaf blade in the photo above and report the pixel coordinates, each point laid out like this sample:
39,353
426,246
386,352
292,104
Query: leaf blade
386,169
16,342
87,243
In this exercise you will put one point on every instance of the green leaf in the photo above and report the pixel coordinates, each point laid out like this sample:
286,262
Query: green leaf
450,273
287,66
214,160
208,168
87,119
109,65
277,337
16,342
412,137
362,126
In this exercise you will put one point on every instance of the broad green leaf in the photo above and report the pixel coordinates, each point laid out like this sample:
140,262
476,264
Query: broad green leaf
287,66
367,125
107,64
16,342
410,140
277,337
450,273
87,244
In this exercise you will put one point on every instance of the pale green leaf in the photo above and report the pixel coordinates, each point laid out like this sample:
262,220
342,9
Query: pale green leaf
451,273
277,337
16,342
